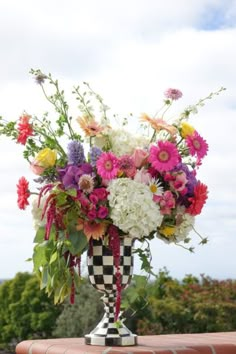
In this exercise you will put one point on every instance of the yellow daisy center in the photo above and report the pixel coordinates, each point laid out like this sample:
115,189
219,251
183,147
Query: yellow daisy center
153,188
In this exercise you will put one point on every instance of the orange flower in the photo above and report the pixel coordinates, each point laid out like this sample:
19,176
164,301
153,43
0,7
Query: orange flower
89,126
91,228
159,124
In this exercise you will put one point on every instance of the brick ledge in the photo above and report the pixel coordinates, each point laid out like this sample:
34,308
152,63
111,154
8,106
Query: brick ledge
205,343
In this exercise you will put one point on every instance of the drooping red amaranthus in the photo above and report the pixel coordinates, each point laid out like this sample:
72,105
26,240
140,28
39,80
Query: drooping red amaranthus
114,245
43,191
72,290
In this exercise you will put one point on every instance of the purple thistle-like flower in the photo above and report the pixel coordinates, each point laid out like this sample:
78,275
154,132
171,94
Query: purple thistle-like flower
95,152
75,153
173,94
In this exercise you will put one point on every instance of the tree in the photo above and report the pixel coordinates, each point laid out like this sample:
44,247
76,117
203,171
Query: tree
25,312
80,318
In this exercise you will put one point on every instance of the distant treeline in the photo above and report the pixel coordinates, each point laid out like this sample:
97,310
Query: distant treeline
165,305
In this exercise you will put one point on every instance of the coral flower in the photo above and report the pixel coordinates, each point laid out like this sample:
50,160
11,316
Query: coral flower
107,165
92,229
89,126
197,145
159,124
198,200
23,193
24,129
164,156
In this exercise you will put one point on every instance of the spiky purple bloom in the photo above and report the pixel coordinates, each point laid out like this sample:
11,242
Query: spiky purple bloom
95,152
75,153
173,94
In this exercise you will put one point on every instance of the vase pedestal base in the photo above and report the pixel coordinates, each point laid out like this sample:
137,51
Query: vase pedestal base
112,341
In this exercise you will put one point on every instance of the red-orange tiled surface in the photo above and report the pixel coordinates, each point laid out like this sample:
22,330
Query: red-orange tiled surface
207,343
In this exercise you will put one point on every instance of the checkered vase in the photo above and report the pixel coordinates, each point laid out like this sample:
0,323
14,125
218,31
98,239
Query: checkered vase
101,272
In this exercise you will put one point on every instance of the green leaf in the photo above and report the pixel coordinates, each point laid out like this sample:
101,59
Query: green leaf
72,192
53,257
40,235
44,278
78,242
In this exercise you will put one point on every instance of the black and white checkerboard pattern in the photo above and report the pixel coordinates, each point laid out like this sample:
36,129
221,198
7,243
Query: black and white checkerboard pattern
107,333
102,276
101,267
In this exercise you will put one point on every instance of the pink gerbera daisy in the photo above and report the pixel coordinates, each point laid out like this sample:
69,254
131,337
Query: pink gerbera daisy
197,145
107,165
164,156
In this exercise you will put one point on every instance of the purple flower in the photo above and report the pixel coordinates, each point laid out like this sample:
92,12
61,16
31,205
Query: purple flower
95,152
71,174
75,153
192,181
173,94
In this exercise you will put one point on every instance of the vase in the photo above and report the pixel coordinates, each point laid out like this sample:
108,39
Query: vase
102,273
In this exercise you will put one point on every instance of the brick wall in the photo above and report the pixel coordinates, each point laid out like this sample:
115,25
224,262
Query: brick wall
207,343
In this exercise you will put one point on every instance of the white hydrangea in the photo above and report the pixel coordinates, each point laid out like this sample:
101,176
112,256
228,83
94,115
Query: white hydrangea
37,212
123,142
132,207
182,230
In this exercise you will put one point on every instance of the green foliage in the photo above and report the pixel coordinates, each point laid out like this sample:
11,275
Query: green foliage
79,319
192,305
165,305
25,312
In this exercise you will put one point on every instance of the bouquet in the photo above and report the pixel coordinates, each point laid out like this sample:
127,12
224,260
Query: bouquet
100,178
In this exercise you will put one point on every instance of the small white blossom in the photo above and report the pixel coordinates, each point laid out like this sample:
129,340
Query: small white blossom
182,230
123,142
37,212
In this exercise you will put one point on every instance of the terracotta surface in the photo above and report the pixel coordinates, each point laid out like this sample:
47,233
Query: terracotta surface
207,343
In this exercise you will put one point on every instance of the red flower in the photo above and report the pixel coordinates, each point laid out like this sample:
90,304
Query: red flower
25,129
23,193
198,200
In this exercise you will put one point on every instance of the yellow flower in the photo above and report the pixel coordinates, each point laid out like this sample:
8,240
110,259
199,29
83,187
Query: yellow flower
186,129
46,157
167,231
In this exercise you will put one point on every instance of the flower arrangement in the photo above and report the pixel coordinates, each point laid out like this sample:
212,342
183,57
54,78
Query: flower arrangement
97,180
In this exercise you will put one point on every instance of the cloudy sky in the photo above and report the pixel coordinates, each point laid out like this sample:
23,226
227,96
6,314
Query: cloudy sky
129,51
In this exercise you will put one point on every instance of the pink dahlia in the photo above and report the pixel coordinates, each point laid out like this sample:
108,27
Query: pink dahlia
23,193
127,166
164,156
197,145
173,94
107,165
